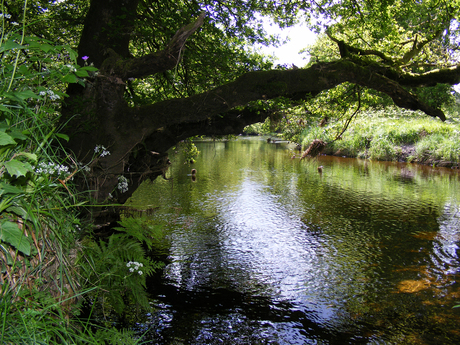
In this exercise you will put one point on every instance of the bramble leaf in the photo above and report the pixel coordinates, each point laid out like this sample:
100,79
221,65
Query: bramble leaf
17,168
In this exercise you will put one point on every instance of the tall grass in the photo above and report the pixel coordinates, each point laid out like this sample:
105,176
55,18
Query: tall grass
392,134
47,266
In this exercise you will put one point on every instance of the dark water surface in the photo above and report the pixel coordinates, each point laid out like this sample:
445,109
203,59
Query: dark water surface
267,250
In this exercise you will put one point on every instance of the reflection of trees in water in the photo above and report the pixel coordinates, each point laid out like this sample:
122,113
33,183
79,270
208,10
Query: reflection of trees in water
373,237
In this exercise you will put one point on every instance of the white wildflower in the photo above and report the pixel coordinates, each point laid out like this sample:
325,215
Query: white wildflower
51,169
135,267
122,184
101,150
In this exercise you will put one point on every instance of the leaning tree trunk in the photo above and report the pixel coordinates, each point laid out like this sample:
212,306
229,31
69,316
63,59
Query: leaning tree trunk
97,115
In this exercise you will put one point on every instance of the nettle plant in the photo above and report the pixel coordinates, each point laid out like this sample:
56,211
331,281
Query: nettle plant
33,176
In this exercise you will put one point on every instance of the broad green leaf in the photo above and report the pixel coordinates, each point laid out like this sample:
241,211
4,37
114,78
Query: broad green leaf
82,73
90,68
30,156
22,95
6,139
18,135
10,45
29,94
23,70
19,211
72,53
10,233
46,47
3,108
17,168
70,78
9,189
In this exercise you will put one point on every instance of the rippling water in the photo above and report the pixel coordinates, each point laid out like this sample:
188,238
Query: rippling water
267,250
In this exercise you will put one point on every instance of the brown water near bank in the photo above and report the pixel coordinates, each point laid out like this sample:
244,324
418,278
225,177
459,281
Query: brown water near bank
267,250
407,154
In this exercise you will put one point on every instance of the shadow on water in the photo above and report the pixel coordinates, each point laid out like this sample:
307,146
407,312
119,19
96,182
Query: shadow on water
265,250
221,316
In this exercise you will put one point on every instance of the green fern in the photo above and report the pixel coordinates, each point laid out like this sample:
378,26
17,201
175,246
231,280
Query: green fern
119,266
143,230
115,337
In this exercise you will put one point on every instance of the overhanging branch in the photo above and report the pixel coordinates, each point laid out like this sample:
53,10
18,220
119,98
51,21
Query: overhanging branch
271,84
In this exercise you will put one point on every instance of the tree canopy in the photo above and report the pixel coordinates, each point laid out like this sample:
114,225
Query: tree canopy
171,70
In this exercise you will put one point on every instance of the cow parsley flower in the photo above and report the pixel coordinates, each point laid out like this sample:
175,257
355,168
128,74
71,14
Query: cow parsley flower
52,169
51,95
122,184
134,266
101,150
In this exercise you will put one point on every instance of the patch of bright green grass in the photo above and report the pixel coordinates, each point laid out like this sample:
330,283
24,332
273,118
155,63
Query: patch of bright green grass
381,135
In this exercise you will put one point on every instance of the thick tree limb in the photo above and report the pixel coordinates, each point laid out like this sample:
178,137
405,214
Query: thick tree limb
450,75
270,84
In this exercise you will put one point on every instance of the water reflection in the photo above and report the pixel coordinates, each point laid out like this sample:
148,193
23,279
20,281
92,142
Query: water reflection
267,250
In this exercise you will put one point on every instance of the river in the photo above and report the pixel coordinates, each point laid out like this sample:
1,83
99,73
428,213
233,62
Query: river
266,249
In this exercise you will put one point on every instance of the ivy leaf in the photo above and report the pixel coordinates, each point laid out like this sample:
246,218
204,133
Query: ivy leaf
17,168
6,139
10,233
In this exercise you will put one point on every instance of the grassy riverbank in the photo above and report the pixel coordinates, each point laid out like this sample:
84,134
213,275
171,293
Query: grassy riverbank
392,134
53,267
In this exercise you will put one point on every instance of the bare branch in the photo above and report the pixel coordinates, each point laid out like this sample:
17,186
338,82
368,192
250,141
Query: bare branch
345,49
163,60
